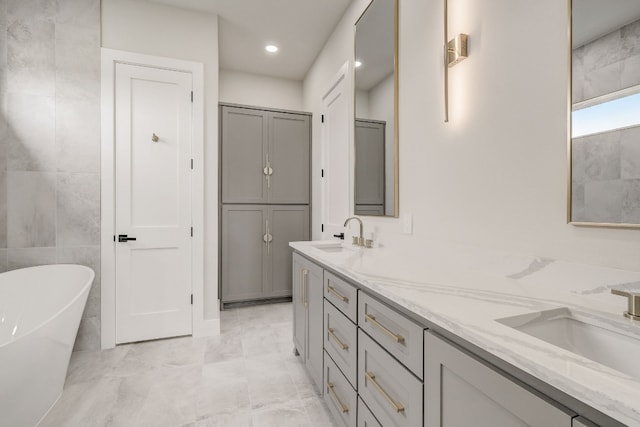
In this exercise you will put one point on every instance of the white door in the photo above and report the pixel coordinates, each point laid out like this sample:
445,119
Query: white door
336,189
153,203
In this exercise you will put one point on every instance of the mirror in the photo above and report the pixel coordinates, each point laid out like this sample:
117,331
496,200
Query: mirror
604,147
376,110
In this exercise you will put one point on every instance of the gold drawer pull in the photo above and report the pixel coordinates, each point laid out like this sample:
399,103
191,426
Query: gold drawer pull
397,337
396,405
333,290
340,343
344,408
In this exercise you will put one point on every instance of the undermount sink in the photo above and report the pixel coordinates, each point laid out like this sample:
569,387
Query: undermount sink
601,343
330,246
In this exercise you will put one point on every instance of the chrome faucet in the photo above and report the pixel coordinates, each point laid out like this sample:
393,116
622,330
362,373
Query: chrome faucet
633,311
356,240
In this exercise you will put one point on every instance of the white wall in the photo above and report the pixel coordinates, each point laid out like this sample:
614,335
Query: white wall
160,30
238,87
495,176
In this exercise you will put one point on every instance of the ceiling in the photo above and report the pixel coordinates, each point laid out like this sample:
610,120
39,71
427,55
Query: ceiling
299,28
593,19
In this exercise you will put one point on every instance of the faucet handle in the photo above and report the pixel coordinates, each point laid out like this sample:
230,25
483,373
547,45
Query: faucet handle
633,299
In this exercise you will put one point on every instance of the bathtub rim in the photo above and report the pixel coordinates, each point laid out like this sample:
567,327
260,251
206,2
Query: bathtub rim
85,288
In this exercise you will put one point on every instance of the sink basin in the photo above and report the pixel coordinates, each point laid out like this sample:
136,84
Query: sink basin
330,247
578,334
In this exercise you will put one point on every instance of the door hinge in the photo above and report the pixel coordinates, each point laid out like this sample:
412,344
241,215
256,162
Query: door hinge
191,299
322,118
322,173
191,231
191,96
114,237
192,164
322,227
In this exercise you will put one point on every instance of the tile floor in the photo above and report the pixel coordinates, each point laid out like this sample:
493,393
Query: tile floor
246,377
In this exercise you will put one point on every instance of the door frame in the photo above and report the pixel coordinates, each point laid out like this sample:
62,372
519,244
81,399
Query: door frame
110,58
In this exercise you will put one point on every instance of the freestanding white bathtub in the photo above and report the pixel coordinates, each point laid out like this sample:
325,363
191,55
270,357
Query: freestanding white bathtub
40,311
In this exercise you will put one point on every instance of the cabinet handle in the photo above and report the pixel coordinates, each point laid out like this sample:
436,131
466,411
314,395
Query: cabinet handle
305,275
397,337
267,238
268,171
331,332
344,408
333,290
397,406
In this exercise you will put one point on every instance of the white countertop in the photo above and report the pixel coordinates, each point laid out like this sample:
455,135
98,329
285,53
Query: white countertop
463,290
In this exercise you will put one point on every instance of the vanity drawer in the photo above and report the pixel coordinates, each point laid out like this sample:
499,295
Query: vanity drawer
341,341
391,392
341,294
339,396
398,334
365,417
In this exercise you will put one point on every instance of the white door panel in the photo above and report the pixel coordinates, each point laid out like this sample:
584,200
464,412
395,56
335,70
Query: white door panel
336,156
153,203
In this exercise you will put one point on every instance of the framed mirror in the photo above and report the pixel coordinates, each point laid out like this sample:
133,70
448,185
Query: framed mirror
376,110
604,145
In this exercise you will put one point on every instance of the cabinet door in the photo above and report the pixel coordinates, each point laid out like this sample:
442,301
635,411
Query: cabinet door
315,322
461,391
289,144
370,168
243,252
286,224
299,306
243,155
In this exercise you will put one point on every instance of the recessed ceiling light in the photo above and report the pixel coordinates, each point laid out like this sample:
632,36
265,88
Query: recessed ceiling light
357,64
271,48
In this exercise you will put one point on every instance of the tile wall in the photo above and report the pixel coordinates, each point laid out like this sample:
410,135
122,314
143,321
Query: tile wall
50,140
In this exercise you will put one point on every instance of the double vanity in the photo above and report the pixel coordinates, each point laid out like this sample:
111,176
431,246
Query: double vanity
450,336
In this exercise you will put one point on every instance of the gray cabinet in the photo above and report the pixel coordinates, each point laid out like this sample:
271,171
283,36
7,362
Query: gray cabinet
255,252
307,315
462,391
370,167
264,156
340,397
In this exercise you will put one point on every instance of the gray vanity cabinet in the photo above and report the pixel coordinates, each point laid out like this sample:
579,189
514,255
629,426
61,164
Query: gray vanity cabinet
370,167
256,257
462,391
264,156
307,315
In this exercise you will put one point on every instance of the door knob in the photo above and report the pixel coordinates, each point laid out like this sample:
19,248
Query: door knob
124,238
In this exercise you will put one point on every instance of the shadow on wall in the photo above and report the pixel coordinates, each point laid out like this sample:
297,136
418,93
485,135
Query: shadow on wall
50,141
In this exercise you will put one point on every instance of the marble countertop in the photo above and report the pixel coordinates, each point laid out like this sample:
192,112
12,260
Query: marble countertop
464,290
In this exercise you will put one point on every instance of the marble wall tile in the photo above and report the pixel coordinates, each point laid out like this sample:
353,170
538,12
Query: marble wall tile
29,257
630,35
631,201
3,209
4,266
604,51
31,57
30,133
41,10
603,201
78,210
77,136
603,80
78,63
88,337
630,153
577,64
630,72
578,159
31,209
602,156
79,13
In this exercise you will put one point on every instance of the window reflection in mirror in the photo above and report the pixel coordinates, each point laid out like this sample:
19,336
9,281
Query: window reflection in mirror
376,111
605,142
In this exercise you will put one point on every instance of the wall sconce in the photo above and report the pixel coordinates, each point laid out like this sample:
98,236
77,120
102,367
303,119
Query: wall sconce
455,51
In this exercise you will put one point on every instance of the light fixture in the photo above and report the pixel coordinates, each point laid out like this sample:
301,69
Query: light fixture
455,50
271,48
357,64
